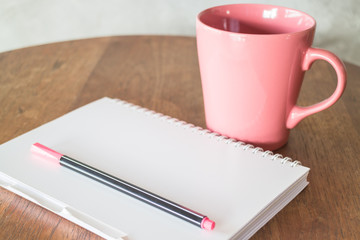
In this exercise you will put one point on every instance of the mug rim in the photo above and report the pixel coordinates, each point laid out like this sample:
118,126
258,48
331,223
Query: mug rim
310,28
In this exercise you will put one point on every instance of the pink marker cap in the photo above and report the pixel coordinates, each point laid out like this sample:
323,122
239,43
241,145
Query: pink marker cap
46,152
207,224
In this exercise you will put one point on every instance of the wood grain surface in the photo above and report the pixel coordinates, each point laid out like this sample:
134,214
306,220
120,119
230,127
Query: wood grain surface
41,83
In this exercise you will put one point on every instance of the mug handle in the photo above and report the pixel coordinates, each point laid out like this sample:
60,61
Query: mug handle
298,113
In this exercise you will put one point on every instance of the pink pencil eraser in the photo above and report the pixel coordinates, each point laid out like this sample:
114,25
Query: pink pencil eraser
45,152
207,224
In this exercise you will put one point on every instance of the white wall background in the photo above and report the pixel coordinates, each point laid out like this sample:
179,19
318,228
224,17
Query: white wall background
32,22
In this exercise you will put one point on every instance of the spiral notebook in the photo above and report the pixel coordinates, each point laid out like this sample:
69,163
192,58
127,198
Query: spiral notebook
239,186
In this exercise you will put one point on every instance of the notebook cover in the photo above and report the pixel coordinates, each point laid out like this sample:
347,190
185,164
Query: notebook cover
236,185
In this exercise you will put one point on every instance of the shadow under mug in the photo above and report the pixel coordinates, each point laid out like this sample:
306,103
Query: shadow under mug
252,61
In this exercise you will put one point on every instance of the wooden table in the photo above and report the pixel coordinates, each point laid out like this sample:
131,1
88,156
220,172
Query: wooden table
41,83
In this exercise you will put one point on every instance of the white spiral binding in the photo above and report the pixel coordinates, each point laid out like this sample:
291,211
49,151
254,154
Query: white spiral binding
212,135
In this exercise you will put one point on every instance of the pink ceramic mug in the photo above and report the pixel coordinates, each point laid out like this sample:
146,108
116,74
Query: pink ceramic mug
252,62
